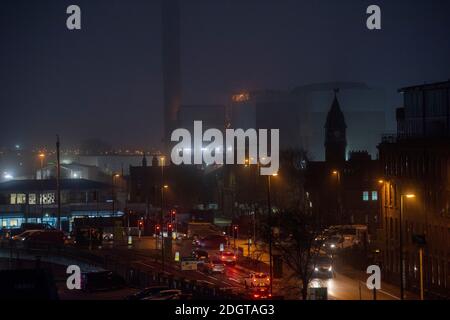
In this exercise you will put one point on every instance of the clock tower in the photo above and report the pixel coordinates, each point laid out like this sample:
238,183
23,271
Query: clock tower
335,133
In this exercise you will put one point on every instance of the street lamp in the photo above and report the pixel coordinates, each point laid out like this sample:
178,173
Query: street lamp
41,158
163,186
338,194
402,196
269,206
113,194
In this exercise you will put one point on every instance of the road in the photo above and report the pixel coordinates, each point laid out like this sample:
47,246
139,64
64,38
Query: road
347,284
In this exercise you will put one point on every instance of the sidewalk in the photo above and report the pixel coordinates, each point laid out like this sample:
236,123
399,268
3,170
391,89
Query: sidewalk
386,288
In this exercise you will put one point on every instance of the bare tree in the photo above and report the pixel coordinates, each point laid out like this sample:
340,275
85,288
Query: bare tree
299,245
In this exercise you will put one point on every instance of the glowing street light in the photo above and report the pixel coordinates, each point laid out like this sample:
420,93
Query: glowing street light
402,196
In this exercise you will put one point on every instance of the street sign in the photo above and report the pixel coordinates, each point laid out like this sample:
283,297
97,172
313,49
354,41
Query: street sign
177,256
188,264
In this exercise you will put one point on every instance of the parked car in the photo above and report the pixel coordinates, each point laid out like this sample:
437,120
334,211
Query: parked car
101,281
172,294
259,279
228,257
147,292
32,238
7,233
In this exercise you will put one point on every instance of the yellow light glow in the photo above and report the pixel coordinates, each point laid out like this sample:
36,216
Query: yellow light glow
409,196
335,172
41,155
380,181
166,186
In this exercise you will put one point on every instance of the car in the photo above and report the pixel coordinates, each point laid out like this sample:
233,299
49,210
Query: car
260,293
228,257
147,292
108,236
323,267
101,281
33,238
200,254
333,243
259,279
11,232
171,294
213,266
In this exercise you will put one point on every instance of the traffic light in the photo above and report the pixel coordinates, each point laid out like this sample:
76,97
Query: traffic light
141,224
169,227
157,229
173,215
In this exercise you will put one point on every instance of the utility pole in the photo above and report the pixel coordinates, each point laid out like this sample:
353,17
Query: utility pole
269,206
58,181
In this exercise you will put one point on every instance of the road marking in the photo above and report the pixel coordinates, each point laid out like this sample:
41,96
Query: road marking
214,278
388,294
234,279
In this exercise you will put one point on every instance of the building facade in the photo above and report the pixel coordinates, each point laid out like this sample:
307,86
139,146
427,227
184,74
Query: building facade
415,192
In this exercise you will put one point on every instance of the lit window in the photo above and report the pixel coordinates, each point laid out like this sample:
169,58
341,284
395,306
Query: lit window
365,196
47,198
374,195
13,223
18,198
4,223
32,198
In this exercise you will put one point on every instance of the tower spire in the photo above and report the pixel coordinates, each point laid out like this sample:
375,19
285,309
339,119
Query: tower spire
335,133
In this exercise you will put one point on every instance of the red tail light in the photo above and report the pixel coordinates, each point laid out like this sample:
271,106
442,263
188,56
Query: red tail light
234,257
256,295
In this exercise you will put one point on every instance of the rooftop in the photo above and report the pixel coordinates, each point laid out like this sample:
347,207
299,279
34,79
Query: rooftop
66,184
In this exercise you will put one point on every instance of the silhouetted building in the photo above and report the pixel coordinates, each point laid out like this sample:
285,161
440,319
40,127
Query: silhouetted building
335,135
416,162
343,191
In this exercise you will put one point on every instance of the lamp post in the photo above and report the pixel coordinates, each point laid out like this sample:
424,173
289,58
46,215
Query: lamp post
113,193
269,206
41,158
338,195
402,280
163,186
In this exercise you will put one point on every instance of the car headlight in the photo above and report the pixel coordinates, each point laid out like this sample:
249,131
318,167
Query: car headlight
330,268
333,245
316,269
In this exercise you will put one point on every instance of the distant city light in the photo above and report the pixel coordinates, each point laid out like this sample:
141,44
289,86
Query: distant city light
7,176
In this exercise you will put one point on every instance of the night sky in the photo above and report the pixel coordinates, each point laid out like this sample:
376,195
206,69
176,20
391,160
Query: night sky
105,81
